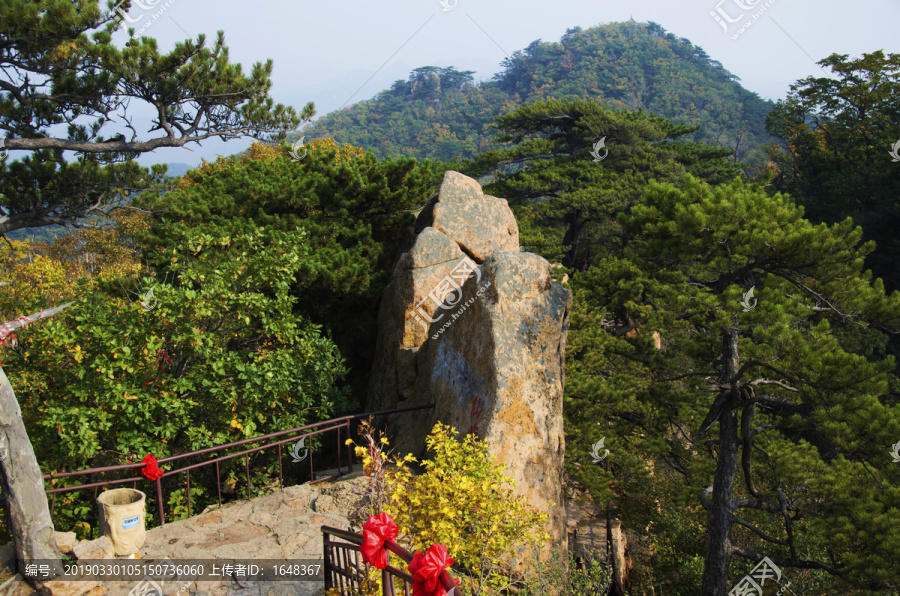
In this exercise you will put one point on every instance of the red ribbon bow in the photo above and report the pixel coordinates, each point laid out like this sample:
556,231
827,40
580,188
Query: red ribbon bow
150,470
379,528
426,571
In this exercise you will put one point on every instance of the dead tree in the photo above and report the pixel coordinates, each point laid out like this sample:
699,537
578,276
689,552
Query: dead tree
20,475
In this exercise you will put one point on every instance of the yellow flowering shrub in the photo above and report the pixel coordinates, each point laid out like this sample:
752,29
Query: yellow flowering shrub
464,501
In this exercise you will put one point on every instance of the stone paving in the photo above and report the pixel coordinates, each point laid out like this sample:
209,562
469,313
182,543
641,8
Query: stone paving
282,525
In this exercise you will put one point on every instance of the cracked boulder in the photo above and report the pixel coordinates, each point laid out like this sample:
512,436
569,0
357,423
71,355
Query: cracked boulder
480,224
459,227
471,324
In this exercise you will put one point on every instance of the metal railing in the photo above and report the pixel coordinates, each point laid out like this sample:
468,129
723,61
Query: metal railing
345,571
309,430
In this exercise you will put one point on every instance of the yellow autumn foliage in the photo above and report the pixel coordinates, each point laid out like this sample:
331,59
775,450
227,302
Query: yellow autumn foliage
464,501
48,273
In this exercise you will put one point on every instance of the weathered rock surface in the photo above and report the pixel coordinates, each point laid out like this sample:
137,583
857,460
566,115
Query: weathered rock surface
480,224
101,548
459,227
282,525
417,273
16,586
65,541
71,588
491,357
588,538
497,371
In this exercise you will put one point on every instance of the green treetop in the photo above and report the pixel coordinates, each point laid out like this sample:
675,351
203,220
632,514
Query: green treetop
58,75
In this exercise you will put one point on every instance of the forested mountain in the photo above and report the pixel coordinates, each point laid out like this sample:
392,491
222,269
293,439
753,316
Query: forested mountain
442,113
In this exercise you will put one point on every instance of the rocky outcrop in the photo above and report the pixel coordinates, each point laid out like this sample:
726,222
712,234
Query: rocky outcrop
589,538
65,541
401,327
484,343
496,369
457,229
480,224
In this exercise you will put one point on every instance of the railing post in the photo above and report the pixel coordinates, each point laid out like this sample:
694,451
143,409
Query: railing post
218,484
188,474
326,551
159,504
95,508
247,469
349,450
280,473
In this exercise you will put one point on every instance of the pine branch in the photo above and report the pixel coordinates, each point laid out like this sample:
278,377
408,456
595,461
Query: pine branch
783,562
759,532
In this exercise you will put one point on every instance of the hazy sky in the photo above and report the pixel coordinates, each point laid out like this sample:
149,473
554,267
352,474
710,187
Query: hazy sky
334,53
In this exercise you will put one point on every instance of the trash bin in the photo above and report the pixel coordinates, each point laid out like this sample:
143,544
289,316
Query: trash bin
122,515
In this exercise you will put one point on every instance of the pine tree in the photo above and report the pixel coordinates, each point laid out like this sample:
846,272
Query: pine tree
356,211
65,77
836,135
574,165
753,403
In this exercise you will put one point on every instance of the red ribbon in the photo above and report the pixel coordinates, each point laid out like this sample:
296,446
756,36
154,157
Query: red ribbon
150,470
379,528
426,571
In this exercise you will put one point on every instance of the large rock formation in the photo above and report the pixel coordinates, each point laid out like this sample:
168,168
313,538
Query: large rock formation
492,356
497,371
460,224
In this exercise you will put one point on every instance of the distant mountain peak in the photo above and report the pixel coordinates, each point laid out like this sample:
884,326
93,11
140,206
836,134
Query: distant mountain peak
439,112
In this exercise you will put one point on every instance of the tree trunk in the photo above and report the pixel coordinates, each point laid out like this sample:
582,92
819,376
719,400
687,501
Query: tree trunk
23,488
573,231
718,549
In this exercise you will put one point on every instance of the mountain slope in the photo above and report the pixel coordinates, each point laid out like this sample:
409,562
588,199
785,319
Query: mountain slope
440,112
